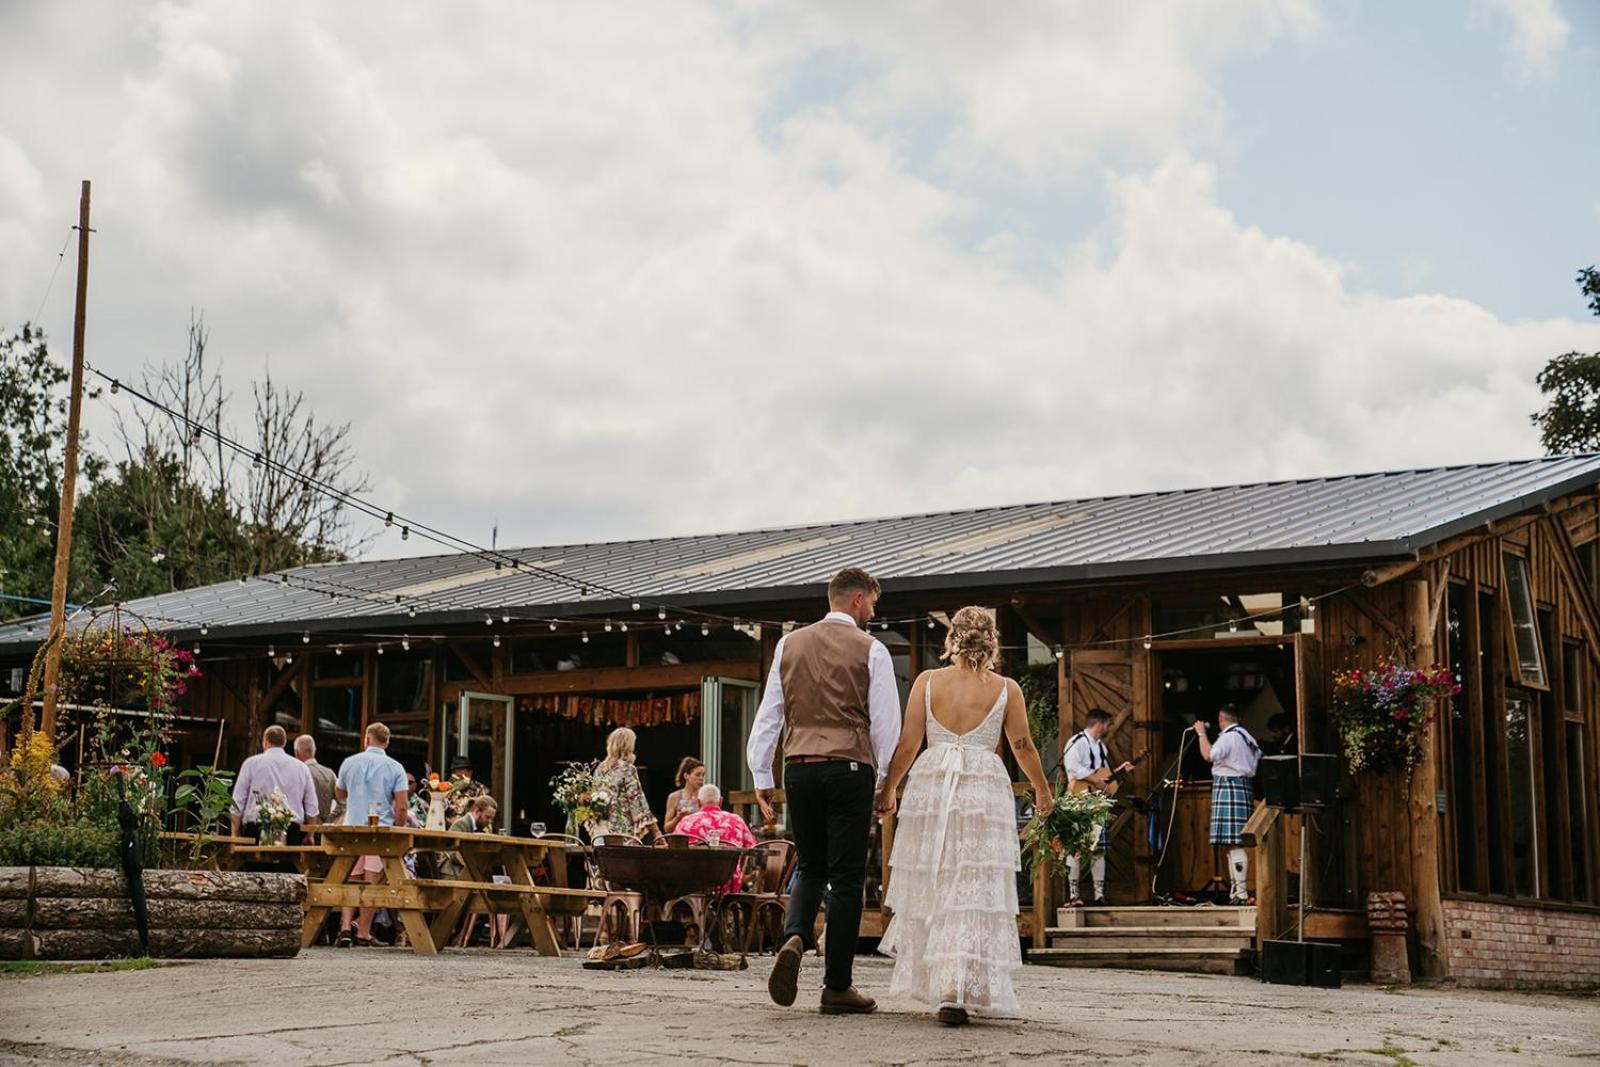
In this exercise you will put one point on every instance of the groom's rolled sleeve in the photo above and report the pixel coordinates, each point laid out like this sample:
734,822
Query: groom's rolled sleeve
883,708
762,748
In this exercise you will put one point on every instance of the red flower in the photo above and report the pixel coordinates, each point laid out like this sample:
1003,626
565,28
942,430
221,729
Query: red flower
158,759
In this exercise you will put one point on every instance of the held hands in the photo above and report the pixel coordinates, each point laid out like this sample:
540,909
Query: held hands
764,798
884,804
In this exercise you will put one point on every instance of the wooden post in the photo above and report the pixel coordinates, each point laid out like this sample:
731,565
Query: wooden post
69,481
1264,834
1423,811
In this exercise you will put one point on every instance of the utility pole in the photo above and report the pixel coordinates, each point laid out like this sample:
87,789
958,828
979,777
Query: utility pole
69,481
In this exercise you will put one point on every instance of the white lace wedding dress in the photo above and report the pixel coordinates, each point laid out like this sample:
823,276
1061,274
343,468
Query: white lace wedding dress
953,878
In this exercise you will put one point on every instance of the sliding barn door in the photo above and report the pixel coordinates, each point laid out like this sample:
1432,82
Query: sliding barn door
1117,681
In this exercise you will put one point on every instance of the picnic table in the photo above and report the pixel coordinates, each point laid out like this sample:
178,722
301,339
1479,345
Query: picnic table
413,899
310,860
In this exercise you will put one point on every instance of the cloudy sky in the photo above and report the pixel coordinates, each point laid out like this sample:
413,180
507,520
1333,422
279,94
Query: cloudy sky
599,271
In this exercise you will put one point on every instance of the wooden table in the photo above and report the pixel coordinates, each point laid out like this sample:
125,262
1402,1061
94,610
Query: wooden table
663,874
310,860
413,898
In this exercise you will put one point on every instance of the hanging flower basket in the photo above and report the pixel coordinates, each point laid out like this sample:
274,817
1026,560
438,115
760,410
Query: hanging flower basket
1382,714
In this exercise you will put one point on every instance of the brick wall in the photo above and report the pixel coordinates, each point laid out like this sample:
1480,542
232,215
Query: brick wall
1517,946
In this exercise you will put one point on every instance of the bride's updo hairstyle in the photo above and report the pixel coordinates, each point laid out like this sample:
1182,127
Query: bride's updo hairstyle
973,641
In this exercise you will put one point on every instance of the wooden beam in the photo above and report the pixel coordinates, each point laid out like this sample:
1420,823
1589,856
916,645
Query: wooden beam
1032,624
480,674
1424,812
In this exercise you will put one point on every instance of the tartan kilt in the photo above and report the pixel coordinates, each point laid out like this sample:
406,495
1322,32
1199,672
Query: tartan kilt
1105,837
1232,801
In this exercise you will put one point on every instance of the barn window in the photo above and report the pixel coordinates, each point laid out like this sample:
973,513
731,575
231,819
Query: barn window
1524,627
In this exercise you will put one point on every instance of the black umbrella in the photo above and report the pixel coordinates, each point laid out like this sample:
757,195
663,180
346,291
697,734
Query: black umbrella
133,864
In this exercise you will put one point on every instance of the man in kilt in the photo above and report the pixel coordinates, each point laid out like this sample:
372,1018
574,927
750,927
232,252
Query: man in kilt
1233,757
1083,759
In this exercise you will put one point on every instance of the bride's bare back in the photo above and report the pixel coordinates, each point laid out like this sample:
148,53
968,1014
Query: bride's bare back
962,699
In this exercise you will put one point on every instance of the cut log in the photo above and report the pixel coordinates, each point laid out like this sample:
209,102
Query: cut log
254,887
168,943
15,881
109,913
13,912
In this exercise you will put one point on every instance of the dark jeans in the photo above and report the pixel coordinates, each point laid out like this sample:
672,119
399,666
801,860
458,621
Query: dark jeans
830,812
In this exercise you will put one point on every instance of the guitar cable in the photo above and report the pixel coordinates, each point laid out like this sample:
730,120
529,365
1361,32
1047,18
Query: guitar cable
1166,837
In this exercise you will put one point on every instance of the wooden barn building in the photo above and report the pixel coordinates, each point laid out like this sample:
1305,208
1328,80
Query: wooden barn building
1158,607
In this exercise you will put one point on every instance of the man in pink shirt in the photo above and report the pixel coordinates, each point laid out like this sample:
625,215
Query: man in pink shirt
716,826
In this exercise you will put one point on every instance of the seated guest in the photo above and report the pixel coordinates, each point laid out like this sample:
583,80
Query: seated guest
417,806
686,799
274,769
479,819
1281,740
464,789
728,827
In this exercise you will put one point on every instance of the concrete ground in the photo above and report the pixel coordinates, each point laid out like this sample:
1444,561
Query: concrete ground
381,1006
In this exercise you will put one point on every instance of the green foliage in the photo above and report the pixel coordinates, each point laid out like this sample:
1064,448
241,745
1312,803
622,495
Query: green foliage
1570,421
73,841
33,968
1043,695
1071,829
206,793
32,436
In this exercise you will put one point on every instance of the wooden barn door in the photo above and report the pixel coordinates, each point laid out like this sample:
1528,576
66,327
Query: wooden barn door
1118,682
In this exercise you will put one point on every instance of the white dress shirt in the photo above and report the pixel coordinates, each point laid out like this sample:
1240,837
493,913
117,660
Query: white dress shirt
1084,756
883,709
1234,754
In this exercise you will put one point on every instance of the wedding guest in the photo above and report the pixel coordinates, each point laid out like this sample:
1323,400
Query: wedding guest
479,819
727,827
322,778
464,789
630,813
273,768
685,799
370,783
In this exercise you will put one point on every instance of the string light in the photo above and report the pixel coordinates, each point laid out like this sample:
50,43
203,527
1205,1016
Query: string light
705,629
197,650
405,643
505,616
624,627
204,629
244,579
1060,652
635,605
488,620
338,650
405,533
667,630
931,623
256,461
608,626
272,653
552,626
305,637
586,637
661,613
116,387
1148,643
288,659
380,650
388,518
496,640
411,612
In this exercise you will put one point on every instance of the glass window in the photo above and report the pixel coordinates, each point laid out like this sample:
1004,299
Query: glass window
1495,815
569,652
689,645
1464,765
402,683
1577,763
338,722
1572,677
336,665
1524,628
1519,781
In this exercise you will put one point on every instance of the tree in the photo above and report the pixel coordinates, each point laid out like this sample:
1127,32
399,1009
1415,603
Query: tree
1570,421
185,509
33,428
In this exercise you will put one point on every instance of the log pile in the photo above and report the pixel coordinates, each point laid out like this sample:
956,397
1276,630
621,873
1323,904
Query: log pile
62,913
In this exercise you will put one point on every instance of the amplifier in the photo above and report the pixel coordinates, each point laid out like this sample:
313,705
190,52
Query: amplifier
1314,963
1278,781
1319,779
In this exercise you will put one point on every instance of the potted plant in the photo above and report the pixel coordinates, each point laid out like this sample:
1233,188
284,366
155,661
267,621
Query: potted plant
1382,714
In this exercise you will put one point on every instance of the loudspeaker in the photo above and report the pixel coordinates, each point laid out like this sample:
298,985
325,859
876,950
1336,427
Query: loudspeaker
1278,781
1319,779
1316,963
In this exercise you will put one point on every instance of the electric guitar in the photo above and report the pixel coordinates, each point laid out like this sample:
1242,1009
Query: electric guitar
1105,780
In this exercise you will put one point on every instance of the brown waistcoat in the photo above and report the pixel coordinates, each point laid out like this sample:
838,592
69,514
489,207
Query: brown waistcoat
826,673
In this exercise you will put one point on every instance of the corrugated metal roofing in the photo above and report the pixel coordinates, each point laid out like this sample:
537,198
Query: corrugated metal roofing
1354,517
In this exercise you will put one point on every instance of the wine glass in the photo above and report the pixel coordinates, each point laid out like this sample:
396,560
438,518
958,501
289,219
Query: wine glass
536,829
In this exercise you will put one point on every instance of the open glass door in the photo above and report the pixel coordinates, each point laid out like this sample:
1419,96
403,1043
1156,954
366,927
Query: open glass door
483,721
727,711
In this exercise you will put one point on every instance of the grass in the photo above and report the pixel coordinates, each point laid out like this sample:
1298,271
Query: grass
33,968
1394,1052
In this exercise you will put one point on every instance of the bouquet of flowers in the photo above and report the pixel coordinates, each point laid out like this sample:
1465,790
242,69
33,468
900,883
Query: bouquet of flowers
274,816
1071,829
1382,714
581,794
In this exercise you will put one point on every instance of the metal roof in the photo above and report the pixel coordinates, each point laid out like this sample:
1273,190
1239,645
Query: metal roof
1348,518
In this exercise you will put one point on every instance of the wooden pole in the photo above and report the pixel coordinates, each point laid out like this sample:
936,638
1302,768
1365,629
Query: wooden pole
69,480
1423,810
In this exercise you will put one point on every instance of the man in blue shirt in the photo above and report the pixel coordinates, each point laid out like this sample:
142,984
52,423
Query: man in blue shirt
370,783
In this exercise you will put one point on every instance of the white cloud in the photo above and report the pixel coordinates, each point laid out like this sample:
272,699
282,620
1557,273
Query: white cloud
1538,34
566,270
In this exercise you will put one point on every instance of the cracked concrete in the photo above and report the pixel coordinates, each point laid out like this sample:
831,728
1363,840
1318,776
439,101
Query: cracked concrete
377,1006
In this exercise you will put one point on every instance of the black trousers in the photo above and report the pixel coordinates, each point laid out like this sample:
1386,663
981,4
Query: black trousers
830,813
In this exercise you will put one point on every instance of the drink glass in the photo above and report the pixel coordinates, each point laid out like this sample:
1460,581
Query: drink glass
537,829
372,815
713,837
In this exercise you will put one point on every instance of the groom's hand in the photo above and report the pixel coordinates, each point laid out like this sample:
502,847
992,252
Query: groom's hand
764,797
883,805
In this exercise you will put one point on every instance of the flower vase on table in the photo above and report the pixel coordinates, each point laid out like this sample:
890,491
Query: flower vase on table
274,817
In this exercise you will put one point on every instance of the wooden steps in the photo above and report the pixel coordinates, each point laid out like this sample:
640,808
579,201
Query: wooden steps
1200,940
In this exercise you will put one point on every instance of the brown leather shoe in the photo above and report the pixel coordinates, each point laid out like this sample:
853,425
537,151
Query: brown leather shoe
952,1016
785,976
846,1002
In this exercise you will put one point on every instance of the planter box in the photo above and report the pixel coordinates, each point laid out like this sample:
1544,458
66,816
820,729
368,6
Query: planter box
64,913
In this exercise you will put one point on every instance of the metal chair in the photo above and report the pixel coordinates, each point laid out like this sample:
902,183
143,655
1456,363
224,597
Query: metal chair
622,911
762,910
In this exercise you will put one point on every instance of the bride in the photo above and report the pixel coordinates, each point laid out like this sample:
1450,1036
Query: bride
953,883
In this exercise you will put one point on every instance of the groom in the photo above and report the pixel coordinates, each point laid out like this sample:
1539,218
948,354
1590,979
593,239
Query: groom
832,697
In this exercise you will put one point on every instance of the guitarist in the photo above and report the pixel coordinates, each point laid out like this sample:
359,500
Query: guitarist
1088,765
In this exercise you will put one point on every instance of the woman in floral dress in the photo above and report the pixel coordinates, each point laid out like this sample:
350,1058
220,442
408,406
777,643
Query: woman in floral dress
630,813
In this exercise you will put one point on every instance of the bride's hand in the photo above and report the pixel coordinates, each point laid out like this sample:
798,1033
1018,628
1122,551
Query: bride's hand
883,804
1043,803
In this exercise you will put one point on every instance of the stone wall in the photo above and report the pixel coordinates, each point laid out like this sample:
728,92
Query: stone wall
57,913
1522,946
